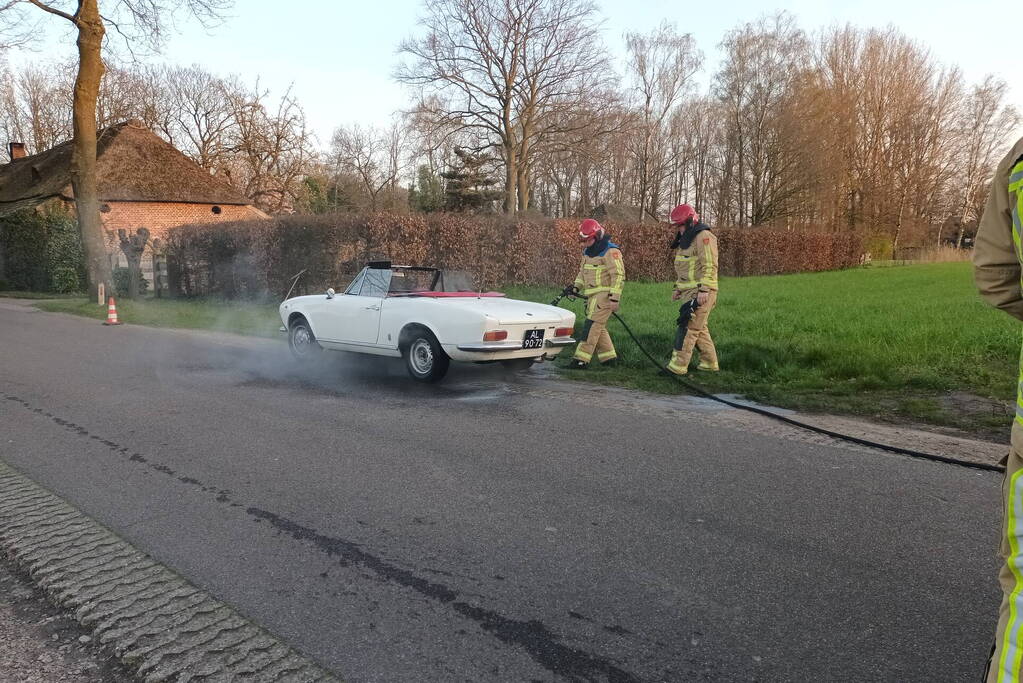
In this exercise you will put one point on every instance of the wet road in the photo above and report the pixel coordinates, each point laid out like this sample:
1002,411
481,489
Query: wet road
501,528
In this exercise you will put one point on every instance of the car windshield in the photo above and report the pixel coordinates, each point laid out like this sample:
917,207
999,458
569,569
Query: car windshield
405,280
409,281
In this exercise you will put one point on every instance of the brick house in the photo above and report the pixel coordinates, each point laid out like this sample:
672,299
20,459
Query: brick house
143,181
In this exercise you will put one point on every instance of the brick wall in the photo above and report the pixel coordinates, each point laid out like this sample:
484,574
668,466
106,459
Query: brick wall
158,218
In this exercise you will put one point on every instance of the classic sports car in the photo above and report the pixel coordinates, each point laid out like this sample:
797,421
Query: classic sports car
427,317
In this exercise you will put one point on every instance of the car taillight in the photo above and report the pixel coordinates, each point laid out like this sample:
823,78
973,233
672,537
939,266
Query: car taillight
564,332
495,335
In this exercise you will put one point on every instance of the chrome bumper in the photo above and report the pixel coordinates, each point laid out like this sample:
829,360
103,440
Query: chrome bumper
496,347
492,347
559,341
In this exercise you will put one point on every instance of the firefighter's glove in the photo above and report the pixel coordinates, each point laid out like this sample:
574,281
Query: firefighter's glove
571,291
613,305
685,313
701,298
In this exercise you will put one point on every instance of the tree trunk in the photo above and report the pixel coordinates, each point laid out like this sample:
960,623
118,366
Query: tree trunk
584,193
511,177
133,248
644,172
83,156
523,185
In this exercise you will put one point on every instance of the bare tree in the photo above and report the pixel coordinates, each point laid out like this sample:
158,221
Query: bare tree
762,60
662,63
35,104
986,122
271,149
375,156
138,20
499,68
203,117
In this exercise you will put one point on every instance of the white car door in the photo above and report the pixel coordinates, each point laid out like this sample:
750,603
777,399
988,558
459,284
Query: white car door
354,317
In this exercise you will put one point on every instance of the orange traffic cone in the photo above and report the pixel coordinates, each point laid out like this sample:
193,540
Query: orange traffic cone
111,313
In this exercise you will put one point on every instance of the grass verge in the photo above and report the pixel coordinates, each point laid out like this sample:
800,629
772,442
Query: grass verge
14,294
254,319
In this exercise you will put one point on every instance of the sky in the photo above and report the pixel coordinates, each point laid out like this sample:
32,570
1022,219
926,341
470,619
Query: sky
338,56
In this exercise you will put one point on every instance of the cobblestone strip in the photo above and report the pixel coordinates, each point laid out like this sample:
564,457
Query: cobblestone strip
159,625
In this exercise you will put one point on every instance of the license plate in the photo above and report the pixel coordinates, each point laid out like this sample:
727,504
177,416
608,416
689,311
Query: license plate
533,339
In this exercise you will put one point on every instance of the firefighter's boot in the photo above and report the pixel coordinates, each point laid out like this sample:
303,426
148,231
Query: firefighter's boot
677,366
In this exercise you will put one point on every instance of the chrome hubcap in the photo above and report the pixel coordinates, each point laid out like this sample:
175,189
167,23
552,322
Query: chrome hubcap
301,341
421,356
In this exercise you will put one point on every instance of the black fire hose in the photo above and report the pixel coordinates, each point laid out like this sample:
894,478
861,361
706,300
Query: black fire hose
696,389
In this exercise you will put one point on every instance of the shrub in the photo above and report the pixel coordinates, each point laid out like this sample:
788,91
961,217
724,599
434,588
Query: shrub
258,258
43,250
879,247
66,280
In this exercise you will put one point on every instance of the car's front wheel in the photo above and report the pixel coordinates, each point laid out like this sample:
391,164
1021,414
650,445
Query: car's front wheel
302,341
424,357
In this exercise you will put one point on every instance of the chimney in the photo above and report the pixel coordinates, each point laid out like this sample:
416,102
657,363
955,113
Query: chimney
17,150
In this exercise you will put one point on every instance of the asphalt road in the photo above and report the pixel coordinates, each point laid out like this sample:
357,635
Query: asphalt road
500,528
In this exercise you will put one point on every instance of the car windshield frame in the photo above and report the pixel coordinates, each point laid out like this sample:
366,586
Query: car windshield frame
367,277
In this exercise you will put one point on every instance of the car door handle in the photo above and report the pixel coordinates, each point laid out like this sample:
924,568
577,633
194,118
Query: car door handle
372,308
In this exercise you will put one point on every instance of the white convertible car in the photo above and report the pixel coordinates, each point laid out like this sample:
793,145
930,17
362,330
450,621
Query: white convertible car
422,315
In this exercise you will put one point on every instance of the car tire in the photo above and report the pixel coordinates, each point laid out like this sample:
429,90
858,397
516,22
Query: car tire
302,341
424,357
518,364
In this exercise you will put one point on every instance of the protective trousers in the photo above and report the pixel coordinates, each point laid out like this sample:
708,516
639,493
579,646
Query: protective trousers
697,335
595,336
1006,664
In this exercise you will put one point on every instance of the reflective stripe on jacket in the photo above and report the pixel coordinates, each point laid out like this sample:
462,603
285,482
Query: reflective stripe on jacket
603,273
696,267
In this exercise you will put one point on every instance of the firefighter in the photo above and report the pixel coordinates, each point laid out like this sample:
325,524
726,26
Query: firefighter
601,278
696,267
997,256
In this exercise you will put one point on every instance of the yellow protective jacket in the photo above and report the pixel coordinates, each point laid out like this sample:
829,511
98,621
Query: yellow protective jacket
997,254
604,272
696,266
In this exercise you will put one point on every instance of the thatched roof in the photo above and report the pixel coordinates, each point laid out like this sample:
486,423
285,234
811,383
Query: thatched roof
132,164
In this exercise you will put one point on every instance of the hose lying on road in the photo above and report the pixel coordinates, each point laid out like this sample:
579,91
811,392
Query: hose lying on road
696,389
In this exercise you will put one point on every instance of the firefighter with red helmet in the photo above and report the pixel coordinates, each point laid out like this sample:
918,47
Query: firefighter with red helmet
601,278
696,269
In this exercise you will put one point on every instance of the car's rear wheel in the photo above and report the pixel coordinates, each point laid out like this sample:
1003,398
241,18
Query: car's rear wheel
302,341
424,357
518,364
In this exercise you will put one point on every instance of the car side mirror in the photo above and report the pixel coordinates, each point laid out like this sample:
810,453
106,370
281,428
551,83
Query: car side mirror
330,293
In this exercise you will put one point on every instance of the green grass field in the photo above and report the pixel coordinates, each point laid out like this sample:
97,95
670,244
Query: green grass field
911,342
897,343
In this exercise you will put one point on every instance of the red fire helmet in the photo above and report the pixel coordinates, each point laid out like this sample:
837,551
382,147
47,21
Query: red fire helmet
590,228
682,213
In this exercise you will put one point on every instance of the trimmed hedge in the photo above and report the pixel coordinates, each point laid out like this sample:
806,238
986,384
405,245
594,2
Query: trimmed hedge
42,251
254,259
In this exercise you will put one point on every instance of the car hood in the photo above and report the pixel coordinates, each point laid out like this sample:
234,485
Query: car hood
507,310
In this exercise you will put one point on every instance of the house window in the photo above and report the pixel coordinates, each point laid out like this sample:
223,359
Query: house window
105,208
216,210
